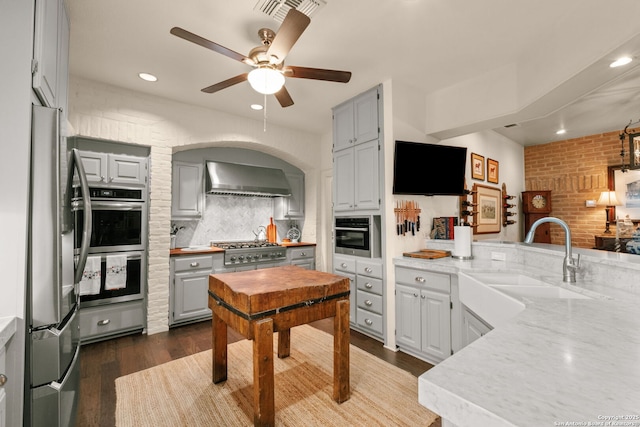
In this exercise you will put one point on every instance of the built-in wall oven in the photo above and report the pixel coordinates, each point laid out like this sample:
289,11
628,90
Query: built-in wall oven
358,235
116,265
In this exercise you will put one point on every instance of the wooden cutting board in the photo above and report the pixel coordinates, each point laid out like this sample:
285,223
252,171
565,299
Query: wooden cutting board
428,254
272,232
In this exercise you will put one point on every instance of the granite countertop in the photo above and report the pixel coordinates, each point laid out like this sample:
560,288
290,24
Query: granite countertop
212,249
558,361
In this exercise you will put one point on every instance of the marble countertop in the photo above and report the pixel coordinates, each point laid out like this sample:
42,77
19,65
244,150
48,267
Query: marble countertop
560,360
7,329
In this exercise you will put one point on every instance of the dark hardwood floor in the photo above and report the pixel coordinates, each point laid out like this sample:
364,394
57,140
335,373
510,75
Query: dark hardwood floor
101,363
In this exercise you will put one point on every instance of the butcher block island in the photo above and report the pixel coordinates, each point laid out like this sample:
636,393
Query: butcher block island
258,303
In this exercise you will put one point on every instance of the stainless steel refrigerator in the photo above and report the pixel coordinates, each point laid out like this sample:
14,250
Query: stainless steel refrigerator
52,356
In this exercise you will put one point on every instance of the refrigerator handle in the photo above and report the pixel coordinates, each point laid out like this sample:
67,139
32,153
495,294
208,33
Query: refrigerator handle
76,163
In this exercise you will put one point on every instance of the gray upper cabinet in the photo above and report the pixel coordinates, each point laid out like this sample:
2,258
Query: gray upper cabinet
50,50
117,169
291,207
187,192
356,121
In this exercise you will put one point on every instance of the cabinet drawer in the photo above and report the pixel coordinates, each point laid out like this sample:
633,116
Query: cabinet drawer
369,268
369,320
186,263
435,281
344,263
369,302
299,253
111,319
369,284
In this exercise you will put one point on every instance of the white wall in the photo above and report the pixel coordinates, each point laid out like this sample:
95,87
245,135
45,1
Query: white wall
101,111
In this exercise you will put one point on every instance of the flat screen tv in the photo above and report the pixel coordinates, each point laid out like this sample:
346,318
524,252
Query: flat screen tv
428,169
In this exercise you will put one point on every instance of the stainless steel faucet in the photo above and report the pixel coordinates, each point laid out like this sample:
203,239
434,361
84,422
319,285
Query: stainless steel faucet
569,266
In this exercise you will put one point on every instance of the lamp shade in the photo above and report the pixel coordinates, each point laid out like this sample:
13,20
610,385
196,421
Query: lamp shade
266,80
608,198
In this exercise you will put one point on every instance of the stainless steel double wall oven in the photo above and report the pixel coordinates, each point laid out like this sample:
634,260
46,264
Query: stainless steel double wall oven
119,219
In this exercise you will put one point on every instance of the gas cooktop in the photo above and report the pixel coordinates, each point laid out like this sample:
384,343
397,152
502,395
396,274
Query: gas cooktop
243,244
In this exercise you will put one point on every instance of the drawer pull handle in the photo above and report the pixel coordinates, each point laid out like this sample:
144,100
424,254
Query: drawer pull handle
368,303
368,285
368,322
3,379
420,279
343,265
104,322
368,270
303,254
194,264
415,295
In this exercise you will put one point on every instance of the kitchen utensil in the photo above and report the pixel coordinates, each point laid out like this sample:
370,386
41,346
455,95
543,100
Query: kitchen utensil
261,234
428,254
272,235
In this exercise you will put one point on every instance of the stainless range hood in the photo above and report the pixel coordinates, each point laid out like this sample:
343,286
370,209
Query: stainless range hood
246,180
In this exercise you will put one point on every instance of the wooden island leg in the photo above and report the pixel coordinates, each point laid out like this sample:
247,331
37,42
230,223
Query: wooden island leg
264,412
284,343
218,349
341,332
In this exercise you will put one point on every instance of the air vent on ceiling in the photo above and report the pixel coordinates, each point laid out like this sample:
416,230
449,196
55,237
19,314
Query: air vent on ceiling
278,9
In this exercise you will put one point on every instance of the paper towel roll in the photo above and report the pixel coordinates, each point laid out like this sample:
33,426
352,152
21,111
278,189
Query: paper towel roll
462,242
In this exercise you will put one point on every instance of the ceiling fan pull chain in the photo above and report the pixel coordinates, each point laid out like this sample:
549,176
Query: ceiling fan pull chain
264,129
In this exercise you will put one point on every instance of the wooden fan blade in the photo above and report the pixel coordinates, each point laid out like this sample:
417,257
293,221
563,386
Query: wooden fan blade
317,74
283,97
194,38
225,84
290,31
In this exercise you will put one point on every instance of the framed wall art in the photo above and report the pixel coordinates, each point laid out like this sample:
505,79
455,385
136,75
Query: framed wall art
477,166
493,171
488,205
627,188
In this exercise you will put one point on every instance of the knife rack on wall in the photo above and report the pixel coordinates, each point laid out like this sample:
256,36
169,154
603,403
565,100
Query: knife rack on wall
407,217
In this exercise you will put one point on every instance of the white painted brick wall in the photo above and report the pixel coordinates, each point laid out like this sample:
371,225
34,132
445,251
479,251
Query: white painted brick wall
108,112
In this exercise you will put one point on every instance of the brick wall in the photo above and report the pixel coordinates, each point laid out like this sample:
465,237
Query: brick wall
575,170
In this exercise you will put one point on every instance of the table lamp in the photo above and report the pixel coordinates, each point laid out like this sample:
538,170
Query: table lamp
608,199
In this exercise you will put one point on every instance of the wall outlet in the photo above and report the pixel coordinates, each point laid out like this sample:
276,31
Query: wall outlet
498,256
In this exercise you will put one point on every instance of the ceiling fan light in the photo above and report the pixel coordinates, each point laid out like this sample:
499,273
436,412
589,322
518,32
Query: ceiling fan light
266,80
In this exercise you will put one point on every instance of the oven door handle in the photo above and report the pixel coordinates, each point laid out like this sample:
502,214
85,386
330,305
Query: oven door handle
116,206
351,229
76,163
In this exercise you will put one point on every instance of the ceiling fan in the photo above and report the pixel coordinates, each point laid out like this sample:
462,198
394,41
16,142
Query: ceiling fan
269,71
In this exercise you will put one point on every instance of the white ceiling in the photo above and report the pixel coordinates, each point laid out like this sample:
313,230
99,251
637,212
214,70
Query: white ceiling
423,44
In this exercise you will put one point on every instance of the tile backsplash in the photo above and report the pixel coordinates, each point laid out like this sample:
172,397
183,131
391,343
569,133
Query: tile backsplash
228,218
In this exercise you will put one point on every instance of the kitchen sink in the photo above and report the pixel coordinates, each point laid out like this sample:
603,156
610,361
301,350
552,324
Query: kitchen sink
545,291
497,297
196,248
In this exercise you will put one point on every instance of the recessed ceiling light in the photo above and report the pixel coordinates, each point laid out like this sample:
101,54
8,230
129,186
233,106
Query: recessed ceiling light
620,62
148,77
561,132
256,107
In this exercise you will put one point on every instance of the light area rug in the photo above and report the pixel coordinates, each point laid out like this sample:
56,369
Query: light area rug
180,392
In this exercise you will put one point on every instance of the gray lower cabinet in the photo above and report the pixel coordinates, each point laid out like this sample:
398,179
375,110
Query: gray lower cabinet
423,313
304,257
367,293
111,320
473,327
189,288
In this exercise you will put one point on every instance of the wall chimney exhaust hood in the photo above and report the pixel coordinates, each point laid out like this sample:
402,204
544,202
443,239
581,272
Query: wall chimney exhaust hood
246,180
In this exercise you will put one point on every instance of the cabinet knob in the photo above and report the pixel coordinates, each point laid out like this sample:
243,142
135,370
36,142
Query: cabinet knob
355,139
368,270
3,379
420,279
303,254
422,296
368,285
104,322
351,141
194,264
110,179
368,303
343,265
368,322
101,177
415,295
